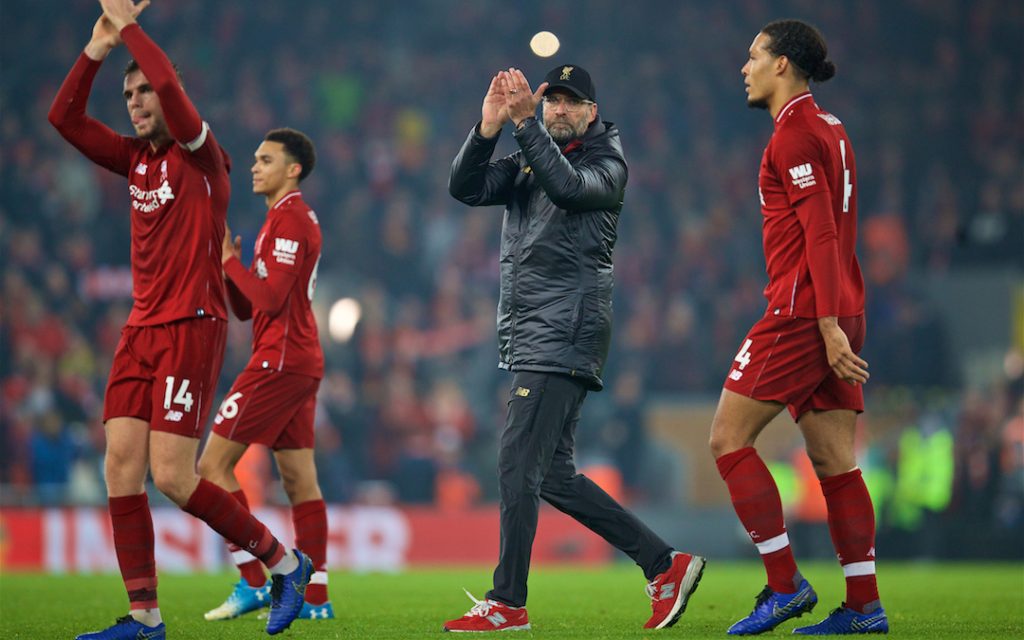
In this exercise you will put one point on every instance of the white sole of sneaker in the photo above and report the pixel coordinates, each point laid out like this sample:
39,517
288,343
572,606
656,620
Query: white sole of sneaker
522,627
694,572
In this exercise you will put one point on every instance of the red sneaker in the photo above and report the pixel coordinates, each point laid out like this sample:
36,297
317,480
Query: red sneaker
490,615
670,590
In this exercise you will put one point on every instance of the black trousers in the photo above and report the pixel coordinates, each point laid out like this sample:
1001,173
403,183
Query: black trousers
536,461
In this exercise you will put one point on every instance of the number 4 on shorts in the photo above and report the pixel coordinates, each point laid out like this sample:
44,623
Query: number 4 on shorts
743,357
183,397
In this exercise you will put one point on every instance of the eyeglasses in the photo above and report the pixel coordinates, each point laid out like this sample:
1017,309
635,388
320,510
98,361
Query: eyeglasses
570,103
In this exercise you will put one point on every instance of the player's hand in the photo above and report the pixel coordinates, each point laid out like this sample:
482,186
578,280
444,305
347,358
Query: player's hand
122,13
521,100
493,114
104,38
844,362
230,248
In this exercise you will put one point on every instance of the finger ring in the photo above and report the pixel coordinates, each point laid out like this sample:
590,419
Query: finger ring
514,91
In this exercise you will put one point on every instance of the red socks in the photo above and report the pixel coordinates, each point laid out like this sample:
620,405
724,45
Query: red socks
310,519
230,519
132,526
851,521
759,507
250,568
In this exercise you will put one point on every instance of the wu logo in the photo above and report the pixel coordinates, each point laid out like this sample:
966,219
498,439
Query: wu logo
803,175
800,171
291,246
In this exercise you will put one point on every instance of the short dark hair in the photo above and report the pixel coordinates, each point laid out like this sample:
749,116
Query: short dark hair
803,45
133,66
298,146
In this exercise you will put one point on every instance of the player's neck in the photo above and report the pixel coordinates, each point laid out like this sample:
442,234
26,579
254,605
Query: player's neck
274,198
782,97
155,144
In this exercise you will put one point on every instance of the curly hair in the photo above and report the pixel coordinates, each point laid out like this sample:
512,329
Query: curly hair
803,45
298,146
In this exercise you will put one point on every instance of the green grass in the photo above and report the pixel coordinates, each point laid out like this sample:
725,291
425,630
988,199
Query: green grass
928,601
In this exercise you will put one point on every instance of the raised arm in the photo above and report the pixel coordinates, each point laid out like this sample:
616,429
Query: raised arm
67,114
474,179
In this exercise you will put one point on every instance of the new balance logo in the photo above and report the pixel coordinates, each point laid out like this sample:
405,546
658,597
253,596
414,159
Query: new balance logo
497,619
668,591
141,168
173,416
285,250
803,175
736,374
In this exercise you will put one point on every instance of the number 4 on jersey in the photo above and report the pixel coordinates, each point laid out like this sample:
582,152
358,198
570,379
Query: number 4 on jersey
183,397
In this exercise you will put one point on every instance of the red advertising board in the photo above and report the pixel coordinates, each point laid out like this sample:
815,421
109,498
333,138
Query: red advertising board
362,538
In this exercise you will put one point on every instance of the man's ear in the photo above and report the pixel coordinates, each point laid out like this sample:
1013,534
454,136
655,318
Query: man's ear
294,170
781,65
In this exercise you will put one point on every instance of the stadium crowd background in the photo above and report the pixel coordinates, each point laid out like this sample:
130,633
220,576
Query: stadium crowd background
929,91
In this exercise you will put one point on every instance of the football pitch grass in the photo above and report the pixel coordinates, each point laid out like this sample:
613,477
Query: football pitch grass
928,601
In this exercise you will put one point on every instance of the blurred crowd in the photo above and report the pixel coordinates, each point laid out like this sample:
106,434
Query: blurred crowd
929,91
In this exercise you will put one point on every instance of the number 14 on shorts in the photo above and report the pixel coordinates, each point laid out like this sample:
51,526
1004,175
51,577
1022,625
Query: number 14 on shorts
183,397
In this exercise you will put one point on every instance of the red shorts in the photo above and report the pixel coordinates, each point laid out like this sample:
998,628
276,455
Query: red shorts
783,360
268,407
166,374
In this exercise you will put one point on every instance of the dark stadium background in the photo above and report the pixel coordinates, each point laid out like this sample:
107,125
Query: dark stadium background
930,93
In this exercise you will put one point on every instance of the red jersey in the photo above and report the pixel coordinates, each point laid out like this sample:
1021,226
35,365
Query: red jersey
809,204
279,288
179,193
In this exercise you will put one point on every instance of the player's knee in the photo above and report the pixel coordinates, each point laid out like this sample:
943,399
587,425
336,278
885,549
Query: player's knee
212,470
829,461
173,483
124,475
721,444
300,487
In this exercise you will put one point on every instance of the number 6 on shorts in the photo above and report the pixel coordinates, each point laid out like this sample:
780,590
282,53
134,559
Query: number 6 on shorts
229,408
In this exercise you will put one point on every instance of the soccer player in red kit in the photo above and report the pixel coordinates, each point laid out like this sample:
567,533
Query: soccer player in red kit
802,355
273,401
165,369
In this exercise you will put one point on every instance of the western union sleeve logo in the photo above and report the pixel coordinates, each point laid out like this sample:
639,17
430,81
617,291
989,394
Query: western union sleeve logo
802,175
285,250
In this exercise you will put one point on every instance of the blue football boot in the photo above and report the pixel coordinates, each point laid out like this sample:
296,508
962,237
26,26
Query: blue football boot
242,600
287,594
127,628
844,621
316,611
772,609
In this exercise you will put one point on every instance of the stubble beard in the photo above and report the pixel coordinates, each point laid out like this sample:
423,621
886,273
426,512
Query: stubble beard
563,132
757,103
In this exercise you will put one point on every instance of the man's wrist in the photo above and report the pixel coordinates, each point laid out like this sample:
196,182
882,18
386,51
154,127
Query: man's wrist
488,130
524,122
827,324
96,52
